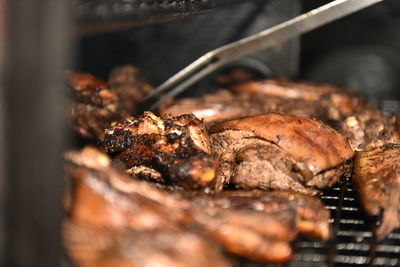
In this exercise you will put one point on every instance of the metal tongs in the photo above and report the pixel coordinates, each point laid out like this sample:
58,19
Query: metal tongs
268,38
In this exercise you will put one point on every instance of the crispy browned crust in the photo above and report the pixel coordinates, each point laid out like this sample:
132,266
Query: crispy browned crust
311,217
177,147
377,179
95,103
308,141
370,128
215,107
102,247
93,106
117,221
320,101
103,197
130,87
110,214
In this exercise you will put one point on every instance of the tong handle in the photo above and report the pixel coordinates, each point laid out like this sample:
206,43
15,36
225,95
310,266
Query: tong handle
274,36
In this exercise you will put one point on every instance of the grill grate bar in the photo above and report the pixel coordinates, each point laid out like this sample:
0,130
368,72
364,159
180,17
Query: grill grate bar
394,236
355,233
353,246
354,243
379,261
388,248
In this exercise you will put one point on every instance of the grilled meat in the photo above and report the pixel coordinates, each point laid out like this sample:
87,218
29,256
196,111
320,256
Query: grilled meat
244,233
127,83
257,97
370,128
94,247
311,217
116,221
177,147
376,138
96,104
111,218
102,197
216,107
280,152
377,179
338,103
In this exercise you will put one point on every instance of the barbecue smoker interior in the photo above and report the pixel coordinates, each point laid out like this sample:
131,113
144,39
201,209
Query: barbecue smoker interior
347,217
32,116
354,241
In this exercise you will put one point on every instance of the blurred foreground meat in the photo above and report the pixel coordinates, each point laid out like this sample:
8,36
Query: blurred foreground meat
115,220
95,103
310,215
275,151
93,247
177,147
323,102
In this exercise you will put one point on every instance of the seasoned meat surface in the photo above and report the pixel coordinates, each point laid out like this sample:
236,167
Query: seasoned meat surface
370,128
93,106
377,179
97,247
103,197
323,102
127,83
337,102
216,107
176,147
311,217
115,220
95,103
280,152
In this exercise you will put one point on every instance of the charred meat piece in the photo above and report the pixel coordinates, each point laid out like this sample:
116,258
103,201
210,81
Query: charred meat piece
311,217
93,106
377,179
113,220
90,90
338,103
242,230
216,107
276,151
101,196
177,147
116,221
127,83
224,105
108,213
96,104
370,128
323,102
247,233
94,247
376,138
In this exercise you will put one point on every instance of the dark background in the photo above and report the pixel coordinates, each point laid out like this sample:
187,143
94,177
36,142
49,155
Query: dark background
361,51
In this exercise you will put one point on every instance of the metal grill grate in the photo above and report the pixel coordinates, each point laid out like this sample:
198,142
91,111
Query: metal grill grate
354,242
